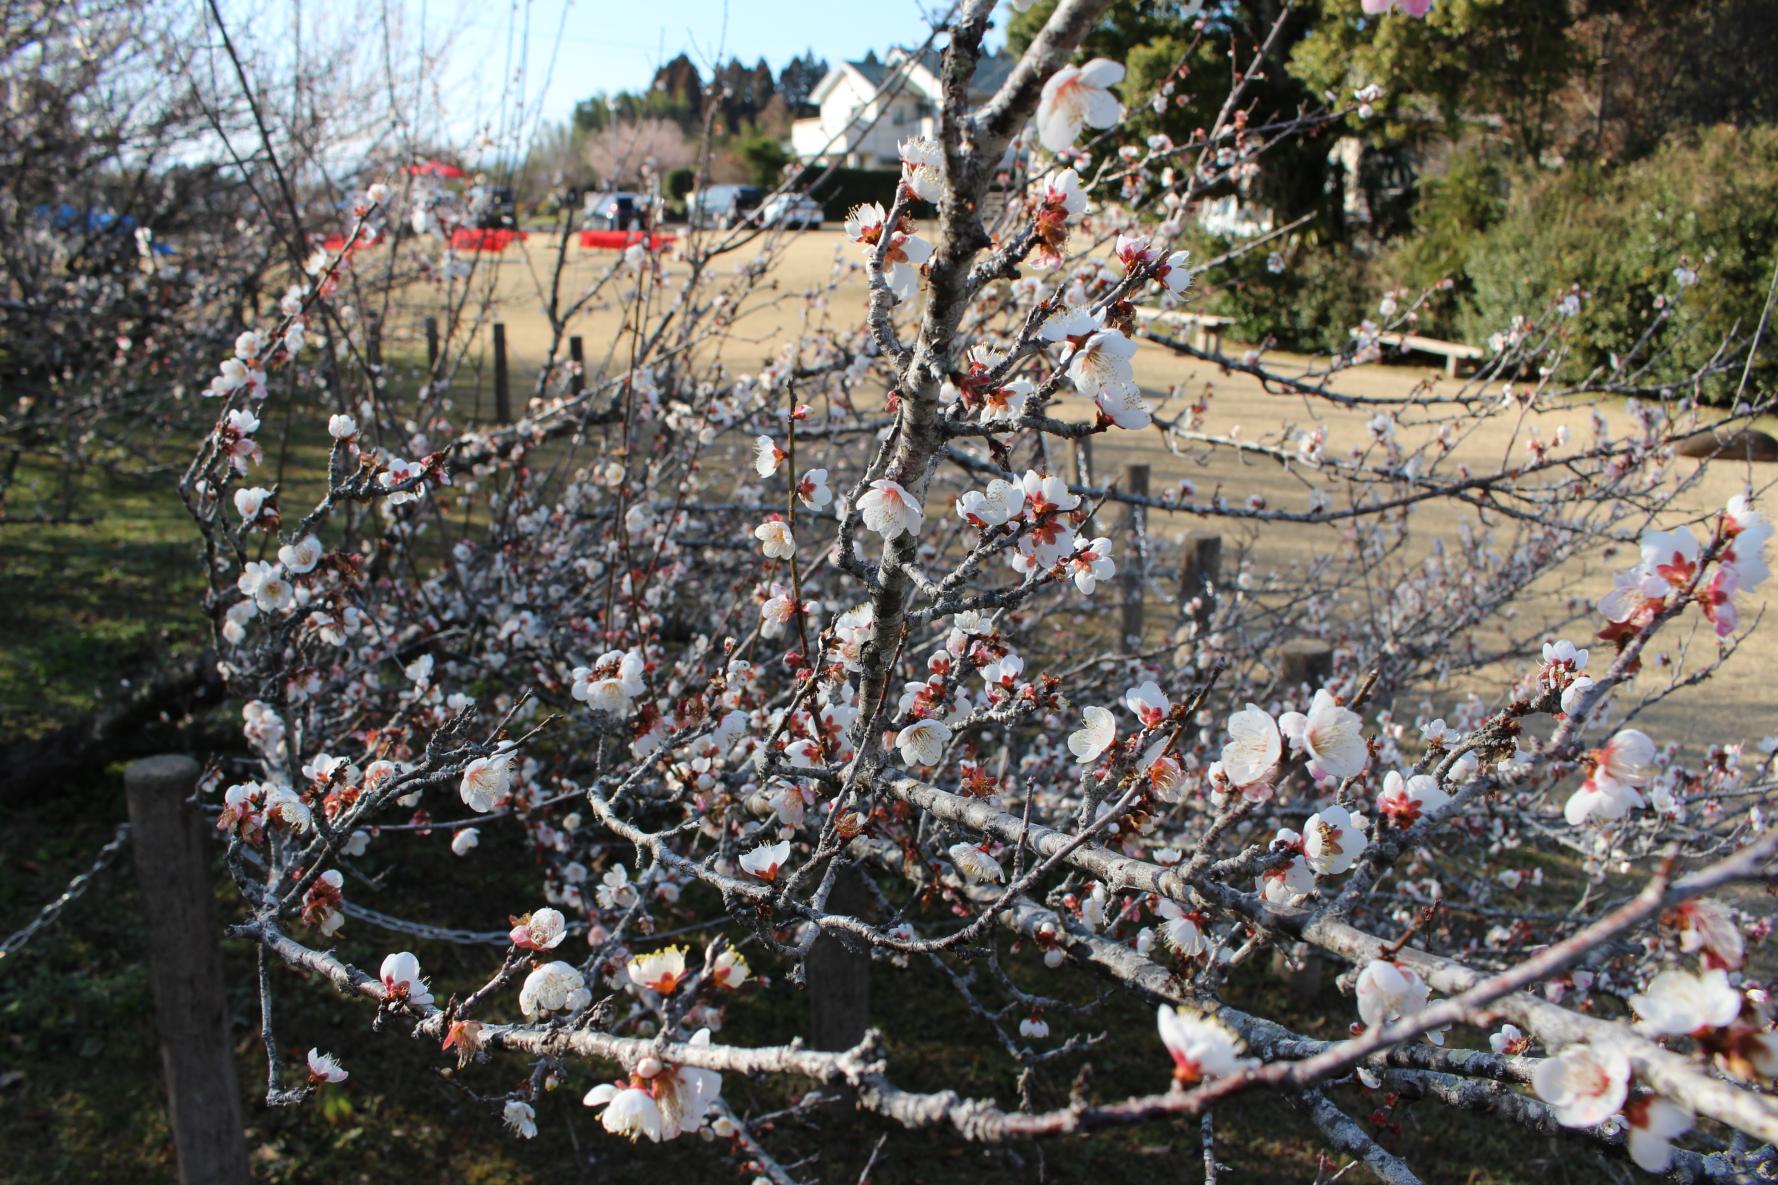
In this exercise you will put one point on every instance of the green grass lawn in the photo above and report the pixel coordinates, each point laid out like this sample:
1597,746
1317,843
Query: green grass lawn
85,607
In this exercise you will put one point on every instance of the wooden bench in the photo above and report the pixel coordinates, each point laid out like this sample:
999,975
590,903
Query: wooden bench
1452,352
1207,330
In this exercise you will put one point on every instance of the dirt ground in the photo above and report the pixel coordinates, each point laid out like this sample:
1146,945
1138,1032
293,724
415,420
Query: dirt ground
1738,703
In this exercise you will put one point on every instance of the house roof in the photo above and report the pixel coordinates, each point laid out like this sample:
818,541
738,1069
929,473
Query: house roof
923,77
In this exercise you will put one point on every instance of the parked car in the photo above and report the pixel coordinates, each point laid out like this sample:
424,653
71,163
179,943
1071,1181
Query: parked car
613,211
494,209
791,209
723,205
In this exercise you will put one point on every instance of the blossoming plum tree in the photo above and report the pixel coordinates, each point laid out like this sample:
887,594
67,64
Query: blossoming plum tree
711,641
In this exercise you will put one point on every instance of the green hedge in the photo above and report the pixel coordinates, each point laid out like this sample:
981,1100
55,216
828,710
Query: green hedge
1711,201
848,187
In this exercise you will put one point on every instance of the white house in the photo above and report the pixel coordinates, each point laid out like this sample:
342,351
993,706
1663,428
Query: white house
868,107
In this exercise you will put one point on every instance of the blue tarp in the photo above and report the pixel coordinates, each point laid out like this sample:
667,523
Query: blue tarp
67,217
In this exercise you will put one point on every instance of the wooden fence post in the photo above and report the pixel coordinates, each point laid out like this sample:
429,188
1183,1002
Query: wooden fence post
577,354
838,978
1083,473
172,854
1305,660
502,393
1131,563
431,345
1200,576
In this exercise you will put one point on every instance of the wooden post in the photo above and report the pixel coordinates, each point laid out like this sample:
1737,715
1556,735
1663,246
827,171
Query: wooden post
172,853
502,394
1083,473
1130,562
431,345
1200,576
1305,660
838,977
577,354
373,340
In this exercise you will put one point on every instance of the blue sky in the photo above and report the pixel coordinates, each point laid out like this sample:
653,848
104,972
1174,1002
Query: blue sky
609,46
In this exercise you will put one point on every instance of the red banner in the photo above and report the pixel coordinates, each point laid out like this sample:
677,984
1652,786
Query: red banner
617,240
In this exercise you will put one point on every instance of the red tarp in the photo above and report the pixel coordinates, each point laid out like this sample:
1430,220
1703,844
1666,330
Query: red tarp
436,168
466,238
617,240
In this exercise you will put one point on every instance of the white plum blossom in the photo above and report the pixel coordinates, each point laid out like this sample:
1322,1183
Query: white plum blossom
301,556
1149,703
812,490
630,1111
615,890
554,987
660,971
1583,1084
342,427
766,860
1747,532
325,1068
1708,928
1076,97
1653,1124
1182,930
266,583
1125,407
1095,735
1677,1003
729,970
685,1094
1578,687
1001,502
283,805
1046,493
767,456
776,541
1062,191
903,254
1388,991
1333,838
1610,791
520,1118
543,929
1331,735
1254,747
1508,1041
1201,1048
779,610
486,782
1405,798
250,501
889,510
975,864
400,974
1090,564
923,167
922,742
1100,366
612,683
464,840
